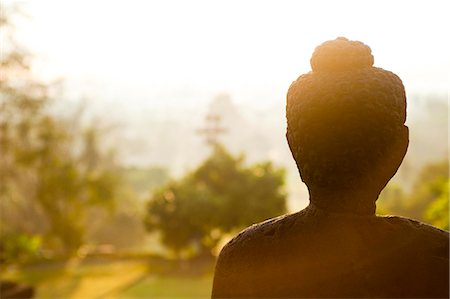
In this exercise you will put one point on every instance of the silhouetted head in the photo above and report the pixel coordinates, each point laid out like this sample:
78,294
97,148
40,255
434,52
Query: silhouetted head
345,126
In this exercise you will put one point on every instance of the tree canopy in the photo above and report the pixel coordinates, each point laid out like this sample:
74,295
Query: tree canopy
194,213
428,199
52,168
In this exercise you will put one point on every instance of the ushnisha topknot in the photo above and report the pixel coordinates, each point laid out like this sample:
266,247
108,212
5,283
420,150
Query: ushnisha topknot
341,54
343,117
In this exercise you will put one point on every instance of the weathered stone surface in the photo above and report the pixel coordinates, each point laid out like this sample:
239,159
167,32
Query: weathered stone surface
316,254
347,135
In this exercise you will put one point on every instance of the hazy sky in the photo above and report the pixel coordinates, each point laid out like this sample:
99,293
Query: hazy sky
150,50
136,56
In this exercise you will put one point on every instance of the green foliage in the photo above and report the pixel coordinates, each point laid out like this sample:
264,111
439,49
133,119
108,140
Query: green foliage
428,201
434,188
220,196
437,212
20,247
52,169
431,184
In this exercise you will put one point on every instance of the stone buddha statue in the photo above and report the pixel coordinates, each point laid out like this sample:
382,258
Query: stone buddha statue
346,131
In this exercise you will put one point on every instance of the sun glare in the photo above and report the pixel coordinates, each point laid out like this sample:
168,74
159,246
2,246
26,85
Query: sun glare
238,46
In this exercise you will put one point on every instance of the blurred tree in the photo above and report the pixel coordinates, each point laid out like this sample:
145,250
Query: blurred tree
427,201
194,213
437,212
51,169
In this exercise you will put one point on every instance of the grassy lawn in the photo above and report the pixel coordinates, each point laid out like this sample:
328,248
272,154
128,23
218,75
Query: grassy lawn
170,287
111,279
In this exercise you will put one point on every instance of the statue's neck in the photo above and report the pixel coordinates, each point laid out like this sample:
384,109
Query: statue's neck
358,203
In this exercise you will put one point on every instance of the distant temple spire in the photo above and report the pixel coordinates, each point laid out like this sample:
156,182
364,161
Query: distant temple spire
212,129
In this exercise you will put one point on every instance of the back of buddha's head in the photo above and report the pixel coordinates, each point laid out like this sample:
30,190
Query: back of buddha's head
344,118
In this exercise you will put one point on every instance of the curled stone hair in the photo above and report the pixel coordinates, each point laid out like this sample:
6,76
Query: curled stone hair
343,116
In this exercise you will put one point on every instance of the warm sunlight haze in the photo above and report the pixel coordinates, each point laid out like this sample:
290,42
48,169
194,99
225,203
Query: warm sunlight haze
138,137
148,49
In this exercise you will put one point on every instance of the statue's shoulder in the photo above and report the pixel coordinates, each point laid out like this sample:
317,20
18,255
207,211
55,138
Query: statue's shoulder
414,225
264,235
425,236
258,231
241,257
